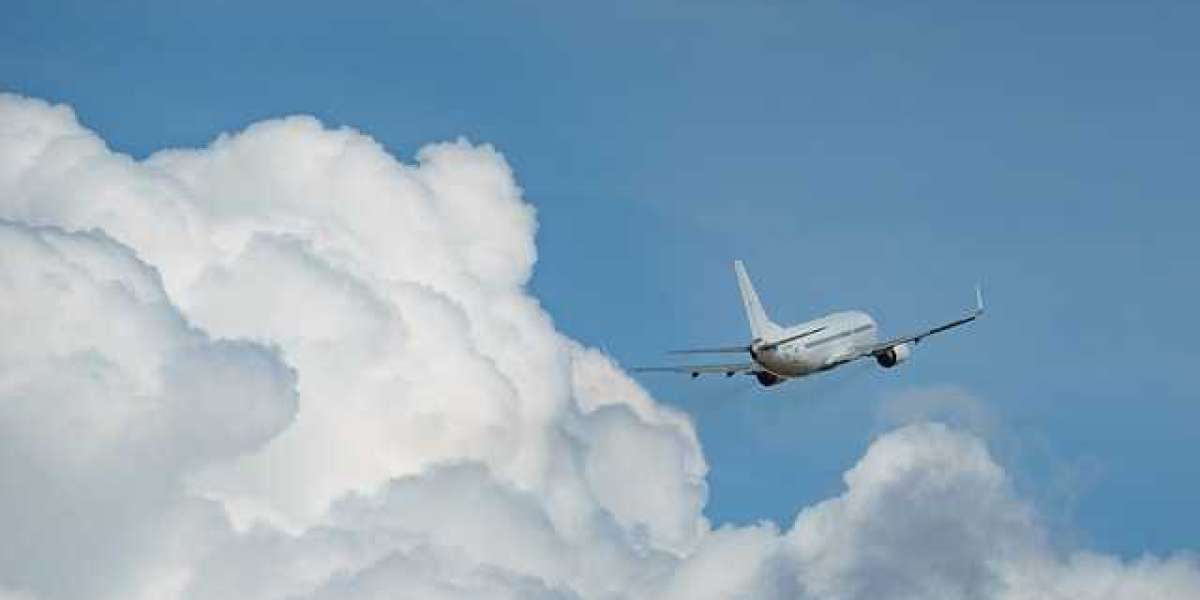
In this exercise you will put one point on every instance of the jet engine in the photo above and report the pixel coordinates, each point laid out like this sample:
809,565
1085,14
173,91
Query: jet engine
894,355
767,379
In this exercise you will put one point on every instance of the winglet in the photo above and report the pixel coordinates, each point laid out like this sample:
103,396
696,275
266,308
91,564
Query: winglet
978,299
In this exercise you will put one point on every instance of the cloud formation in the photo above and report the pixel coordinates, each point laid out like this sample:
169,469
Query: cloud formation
287,365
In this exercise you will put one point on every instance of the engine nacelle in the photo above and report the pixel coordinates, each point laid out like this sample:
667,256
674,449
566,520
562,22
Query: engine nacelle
894,355
767,379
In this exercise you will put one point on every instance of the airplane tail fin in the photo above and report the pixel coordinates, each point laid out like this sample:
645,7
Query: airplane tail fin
760,326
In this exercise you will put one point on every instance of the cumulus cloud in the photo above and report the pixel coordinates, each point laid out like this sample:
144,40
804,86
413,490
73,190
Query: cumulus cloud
288,365
109,397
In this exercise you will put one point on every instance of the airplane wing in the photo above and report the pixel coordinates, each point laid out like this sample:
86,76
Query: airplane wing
873,349
696,370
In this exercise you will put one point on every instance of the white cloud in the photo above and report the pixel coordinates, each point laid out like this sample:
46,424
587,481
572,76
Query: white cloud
108,397
927,514
340,388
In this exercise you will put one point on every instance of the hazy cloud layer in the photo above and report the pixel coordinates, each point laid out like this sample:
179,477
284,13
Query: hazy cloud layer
287,365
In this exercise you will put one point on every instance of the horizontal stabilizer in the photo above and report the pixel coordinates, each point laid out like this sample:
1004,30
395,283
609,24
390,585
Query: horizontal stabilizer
697,370
717,350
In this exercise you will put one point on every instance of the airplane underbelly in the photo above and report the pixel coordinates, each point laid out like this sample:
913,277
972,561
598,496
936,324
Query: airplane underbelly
789,365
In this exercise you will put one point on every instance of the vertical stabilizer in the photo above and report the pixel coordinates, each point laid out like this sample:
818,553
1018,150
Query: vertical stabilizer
760,326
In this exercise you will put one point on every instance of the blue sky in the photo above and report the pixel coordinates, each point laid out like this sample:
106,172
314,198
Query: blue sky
855,154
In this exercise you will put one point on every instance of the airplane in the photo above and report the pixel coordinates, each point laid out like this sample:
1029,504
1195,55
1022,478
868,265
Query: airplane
778,354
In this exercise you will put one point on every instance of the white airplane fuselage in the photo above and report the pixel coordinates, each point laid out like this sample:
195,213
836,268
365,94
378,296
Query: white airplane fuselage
835,335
